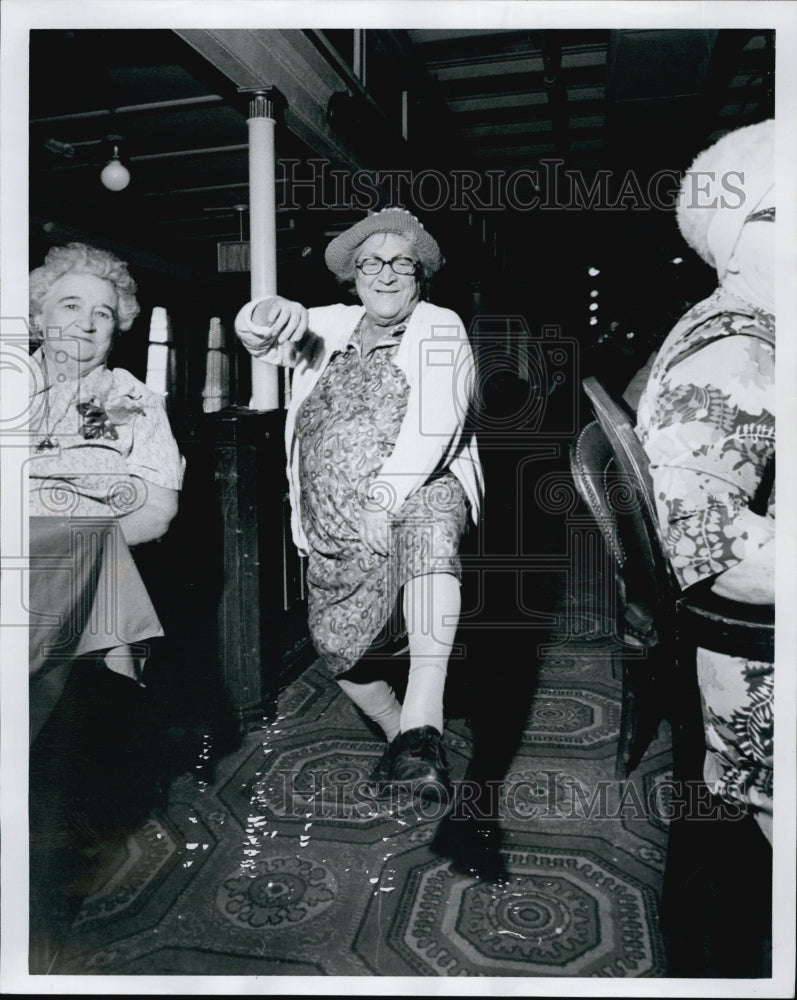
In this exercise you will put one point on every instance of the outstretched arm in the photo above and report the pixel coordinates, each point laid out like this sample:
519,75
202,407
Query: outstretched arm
266,325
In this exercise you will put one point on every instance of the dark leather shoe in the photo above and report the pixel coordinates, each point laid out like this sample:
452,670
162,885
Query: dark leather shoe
421,764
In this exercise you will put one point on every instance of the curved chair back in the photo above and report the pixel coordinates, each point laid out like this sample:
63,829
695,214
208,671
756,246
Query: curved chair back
611,471
634,494
591,462
614,503
640,621
708,620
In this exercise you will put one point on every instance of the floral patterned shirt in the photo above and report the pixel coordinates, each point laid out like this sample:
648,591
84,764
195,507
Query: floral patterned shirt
707,422
92,440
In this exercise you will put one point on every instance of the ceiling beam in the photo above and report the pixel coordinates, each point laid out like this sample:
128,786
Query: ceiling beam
204,151
288,61
572,78
130,109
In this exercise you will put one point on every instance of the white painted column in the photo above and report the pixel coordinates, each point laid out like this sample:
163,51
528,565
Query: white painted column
262,233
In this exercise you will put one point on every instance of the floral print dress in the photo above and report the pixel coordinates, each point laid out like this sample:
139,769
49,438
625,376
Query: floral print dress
346,428
92,440
707,421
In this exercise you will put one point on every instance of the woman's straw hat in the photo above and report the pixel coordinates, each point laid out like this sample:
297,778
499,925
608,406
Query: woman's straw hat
400,221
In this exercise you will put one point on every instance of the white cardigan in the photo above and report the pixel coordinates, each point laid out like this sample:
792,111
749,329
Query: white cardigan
436,358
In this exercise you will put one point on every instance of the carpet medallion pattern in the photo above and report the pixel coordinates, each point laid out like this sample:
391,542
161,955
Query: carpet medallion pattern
275,859
271,863
281,891
570,719
557,914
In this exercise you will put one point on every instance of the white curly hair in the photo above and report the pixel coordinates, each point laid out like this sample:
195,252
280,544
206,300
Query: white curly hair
80,258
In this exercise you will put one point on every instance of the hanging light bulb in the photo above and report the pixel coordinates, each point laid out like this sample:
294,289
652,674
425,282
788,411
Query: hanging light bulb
115,175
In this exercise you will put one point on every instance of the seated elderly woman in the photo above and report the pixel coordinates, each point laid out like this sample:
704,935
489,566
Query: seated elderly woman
104,475
381,477
707,421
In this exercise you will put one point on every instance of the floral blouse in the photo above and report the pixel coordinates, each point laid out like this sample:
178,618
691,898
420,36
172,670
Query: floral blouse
91,440
707,421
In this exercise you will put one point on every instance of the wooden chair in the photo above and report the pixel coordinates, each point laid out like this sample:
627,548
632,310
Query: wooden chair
641,615
698,909
682,620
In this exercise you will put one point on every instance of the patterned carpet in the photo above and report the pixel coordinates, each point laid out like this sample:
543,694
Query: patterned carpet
272,860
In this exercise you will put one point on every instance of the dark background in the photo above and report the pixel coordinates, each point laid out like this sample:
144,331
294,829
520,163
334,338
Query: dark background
511,102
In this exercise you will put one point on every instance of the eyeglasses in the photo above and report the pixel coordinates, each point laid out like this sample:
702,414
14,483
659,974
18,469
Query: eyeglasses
399,265
763,215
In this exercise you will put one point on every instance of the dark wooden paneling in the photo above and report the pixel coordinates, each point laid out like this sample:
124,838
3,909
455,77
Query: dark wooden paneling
260,608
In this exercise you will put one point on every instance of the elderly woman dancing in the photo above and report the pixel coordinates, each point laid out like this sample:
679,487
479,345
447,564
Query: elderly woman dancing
382,476
707,421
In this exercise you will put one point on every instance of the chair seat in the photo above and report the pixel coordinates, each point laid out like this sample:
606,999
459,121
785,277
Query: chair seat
724,626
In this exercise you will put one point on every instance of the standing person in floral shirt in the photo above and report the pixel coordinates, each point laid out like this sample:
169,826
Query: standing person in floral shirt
707,421
384,477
